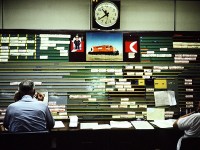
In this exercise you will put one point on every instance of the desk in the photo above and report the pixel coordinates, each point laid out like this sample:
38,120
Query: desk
109,139
116,139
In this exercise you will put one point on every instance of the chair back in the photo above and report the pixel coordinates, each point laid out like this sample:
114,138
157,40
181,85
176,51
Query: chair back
25,140
190,143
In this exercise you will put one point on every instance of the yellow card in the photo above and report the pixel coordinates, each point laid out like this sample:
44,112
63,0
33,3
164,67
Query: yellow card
160,84
141,82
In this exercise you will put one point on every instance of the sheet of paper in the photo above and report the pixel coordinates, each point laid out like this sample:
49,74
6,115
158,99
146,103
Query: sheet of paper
59,124
102,126
120,124
73,121
88,125
172,98
163,98
155,113
142,125
164,123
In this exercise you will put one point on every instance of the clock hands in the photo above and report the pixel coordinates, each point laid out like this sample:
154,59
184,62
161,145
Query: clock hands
105,14
102,17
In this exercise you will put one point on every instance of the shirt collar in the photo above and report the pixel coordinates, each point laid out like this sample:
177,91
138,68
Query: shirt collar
27,98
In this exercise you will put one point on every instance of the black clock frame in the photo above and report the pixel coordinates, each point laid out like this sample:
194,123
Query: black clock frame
95,25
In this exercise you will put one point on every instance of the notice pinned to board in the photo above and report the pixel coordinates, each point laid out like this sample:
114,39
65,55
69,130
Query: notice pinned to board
155,113
141,82
163,98
160,84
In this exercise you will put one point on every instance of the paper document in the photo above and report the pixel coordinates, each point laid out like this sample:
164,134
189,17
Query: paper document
59,124
164,123
120,124
94,126
142,125
73,121
88,125
163,98
102,126
155,113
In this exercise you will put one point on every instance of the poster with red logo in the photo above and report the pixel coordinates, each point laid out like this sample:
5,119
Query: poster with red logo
131,48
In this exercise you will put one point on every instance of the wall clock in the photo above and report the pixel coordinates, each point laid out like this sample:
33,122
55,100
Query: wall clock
106,14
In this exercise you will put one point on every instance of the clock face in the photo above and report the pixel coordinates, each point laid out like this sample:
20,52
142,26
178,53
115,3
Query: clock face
106,14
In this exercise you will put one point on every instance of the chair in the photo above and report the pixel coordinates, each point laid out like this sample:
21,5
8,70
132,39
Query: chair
190,143
25,140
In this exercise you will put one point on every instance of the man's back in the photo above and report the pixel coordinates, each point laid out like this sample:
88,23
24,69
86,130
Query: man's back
28,114
190,125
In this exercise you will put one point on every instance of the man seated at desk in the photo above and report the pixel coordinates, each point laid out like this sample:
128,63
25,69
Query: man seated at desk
190,123
28,114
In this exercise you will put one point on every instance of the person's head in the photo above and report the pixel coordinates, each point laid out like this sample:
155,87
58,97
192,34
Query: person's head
77,38
26,87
